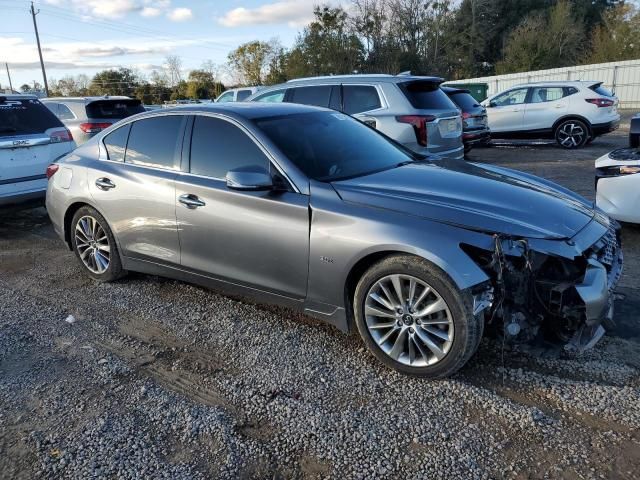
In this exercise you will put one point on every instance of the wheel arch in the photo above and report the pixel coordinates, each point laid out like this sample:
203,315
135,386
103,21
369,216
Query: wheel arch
68,217
572,116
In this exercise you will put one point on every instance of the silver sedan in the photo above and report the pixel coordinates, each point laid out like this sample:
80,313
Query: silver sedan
309,208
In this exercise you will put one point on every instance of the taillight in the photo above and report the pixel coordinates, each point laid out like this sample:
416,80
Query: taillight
93,127
52,169
465,117
600,102
61,135
419,123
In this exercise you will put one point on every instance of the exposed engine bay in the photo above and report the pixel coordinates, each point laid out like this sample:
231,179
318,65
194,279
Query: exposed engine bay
540,295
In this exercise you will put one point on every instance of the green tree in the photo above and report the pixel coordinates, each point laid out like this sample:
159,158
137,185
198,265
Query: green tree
202,84
249,62
618,37
550,39
122,81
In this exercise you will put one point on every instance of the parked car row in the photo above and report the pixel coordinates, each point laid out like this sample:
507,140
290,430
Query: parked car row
307,207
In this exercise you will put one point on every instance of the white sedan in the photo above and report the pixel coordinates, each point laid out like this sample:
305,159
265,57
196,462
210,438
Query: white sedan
618,184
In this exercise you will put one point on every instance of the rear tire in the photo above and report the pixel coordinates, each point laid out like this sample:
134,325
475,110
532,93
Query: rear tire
430,334
571,134
95,246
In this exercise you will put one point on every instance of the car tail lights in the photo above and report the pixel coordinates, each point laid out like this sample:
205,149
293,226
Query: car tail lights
52,169
93,127
600,102
60,135
419,123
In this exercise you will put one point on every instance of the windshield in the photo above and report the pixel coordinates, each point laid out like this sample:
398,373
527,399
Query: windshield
330,146
114,109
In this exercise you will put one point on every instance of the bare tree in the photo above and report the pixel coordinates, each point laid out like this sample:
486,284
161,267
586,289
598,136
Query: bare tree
173,67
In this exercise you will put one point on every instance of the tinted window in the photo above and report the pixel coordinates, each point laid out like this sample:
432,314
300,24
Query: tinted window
570,91
64,113
225,97
318,96
116,109
116,143
23,117
465,101
153,142
359,98
426,95
601,90
514,97
546,94
218,146
330,146
242,94
277,96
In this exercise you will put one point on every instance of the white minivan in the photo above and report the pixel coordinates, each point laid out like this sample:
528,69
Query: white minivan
31,137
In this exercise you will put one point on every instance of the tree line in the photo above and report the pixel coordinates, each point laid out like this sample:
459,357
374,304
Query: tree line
450,38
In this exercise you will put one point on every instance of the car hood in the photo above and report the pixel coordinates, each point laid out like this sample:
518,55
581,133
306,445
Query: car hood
474,196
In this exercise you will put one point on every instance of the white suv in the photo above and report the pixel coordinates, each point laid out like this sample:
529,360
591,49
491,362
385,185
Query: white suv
31,138
573,113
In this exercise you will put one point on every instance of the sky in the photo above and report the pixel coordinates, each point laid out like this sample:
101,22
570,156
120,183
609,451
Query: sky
86,36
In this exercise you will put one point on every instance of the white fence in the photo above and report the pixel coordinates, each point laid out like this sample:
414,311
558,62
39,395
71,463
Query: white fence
623,78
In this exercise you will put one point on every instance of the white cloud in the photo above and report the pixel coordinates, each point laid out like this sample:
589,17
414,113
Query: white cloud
180,14
292,12
150,12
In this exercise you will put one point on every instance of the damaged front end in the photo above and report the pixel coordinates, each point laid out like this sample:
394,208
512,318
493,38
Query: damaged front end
559,288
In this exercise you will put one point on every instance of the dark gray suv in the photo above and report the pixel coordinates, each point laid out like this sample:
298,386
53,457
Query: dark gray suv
412,110
310,208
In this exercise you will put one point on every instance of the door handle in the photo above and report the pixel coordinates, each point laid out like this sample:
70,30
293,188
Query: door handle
105,184
191,201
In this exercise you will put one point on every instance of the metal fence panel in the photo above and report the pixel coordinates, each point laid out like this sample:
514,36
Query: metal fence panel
623,78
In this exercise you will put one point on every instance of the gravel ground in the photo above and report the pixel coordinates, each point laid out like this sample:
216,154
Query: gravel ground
153,378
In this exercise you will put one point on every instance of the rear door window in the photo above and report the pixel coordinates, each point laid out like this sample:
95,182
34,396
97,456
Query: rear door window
218,146
318,96
25,117
360,98
154,142
546,94
426,95
116,143
242,95
272,97
114,109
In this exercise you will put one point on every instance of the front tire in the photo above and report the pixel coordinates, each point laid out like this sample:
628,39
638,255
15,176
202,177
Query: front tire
571,134
414,319
95,246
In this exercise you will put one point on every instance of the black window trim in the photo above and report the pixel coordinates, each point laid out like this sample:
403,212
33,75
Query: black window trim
186,150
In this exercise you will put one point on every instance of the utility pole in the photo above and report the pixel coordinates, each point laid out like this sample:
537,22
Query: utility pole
9,75
35,27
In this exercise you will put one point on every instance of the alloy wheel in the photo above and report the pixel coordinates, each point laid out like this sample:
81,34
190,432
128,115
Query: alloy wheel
409,320
571,135
92,244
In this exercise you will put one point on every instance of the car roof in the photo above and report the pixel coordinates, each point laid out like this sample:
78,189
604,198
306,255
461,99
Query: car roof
250,110
87,99
18,96
375,77
559,83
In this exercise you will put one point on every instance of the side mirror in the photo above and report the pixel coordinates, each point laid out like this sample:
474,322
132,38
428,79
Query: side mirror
249,178
488,104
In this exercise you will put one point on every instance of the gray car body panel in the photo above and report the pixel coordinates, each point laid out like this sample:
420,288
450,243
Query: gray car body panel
299,247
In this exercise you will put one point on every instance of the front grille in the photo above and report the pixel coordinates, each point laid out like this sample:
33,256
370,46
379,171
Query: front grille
608,251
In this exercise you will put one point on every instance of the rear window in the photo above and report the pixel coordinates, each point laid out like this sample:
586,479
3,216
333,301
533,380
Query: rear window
426,95
243,94
600,90
24,117
114,109
359,98
465,101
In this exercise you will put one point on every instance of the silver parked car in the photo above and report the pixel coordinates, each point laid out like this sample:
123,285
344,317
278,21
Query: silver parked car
31,138
237,94
310,208
412,110
86,116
